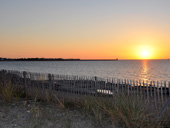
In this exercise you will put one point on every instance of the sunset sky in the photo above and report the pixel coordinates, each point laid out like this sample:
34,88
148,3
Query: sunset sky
85,29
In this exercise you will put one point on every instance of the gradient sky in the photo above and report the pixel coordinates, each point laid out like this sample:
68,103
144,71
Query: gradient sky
86,29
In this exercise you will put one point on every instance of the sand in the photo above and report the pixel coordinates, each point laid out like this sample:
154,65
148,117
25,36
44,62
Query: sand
30,114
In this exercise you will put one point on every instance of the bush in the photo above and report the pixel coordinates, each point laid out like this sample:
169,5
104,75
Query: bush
122,110
7,92
127,111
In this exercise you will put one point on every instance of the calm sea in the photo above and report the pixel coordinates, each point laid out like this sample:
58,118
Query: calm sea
124,69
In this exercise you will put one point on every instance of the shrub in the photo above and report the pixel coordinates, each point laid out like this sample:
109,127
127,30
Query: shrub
7,92
127,111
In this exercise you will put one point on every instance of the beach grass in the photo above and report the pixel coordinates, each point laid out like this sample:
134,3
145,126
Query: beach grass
121,110
7,91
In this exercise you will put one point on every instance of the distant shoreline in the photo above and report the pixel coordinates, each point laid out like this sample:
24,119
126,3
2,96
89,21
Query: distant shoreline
53,59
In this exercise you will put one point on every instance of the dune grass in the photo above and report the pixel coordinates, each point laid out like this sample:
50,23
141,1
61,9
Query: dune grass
127,111
7,91
121,110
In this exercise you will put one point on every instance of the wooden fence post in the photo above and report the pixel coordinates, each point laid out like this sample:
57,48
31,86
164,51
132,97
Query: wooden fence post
151,89
161,95
121,85
50,81
118,86
134,88
95,85
155,93
144,87
151,98
113,87
25,84
140,88
155,96
147,91
131,87
128,86
163,109
4,77
165,93
158,95
125,85
169,88
137,90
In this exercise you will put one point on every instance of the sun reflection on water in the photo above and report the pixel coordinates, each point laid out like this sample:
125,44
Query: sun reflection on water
144,73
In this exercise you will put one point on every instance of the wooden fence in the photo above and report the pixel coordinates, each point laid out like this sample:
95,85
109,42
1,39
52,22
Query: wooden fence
156,93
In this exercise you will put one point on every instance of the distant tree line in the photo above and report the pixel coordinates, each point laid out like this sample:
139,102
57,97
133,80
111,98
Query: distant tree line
37,59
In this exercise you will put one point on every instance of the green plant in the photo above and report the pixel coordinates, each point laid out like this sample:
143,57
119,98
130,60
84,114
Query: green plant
7,92
47,96
98,114
130,111
19,93
72,104
1,87
91,108
35,109
60,102
87,105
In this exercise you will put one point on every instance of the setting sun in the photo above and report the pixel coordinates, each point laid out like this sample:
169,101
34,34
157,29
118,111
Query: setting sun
145,54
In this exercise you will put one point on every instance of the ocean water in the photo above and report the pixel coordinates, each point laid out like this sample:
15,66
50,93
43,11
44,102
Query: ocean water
157,70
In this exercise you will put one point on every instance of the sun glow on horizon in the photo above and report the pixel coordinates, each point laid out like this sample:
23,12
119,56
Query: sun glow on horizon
145,52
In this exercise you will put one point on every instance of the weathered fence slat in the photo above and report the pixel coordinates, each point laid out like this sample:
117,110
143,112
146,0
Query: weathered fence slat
157,93
147,90
161,94
128,87
169,88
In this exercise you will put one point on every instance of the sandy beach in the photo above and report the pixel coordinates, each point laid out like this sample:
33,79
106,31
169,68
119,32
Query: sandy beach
28,114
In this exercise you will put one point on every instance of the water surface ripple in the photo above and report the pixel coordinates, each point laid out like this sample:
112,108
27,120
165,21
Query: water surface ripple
158,70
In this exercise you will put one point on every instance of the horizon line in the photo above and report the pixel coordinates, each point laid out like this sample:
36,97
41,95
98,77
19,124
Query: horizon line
78,59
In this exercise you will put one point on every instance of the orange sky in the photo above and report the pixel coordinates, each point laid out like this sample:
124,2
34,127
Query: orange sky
85,30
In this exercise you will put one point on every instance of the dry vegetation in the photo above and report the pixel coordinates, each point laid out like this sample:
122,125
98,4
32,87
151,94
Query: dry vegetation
120,111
